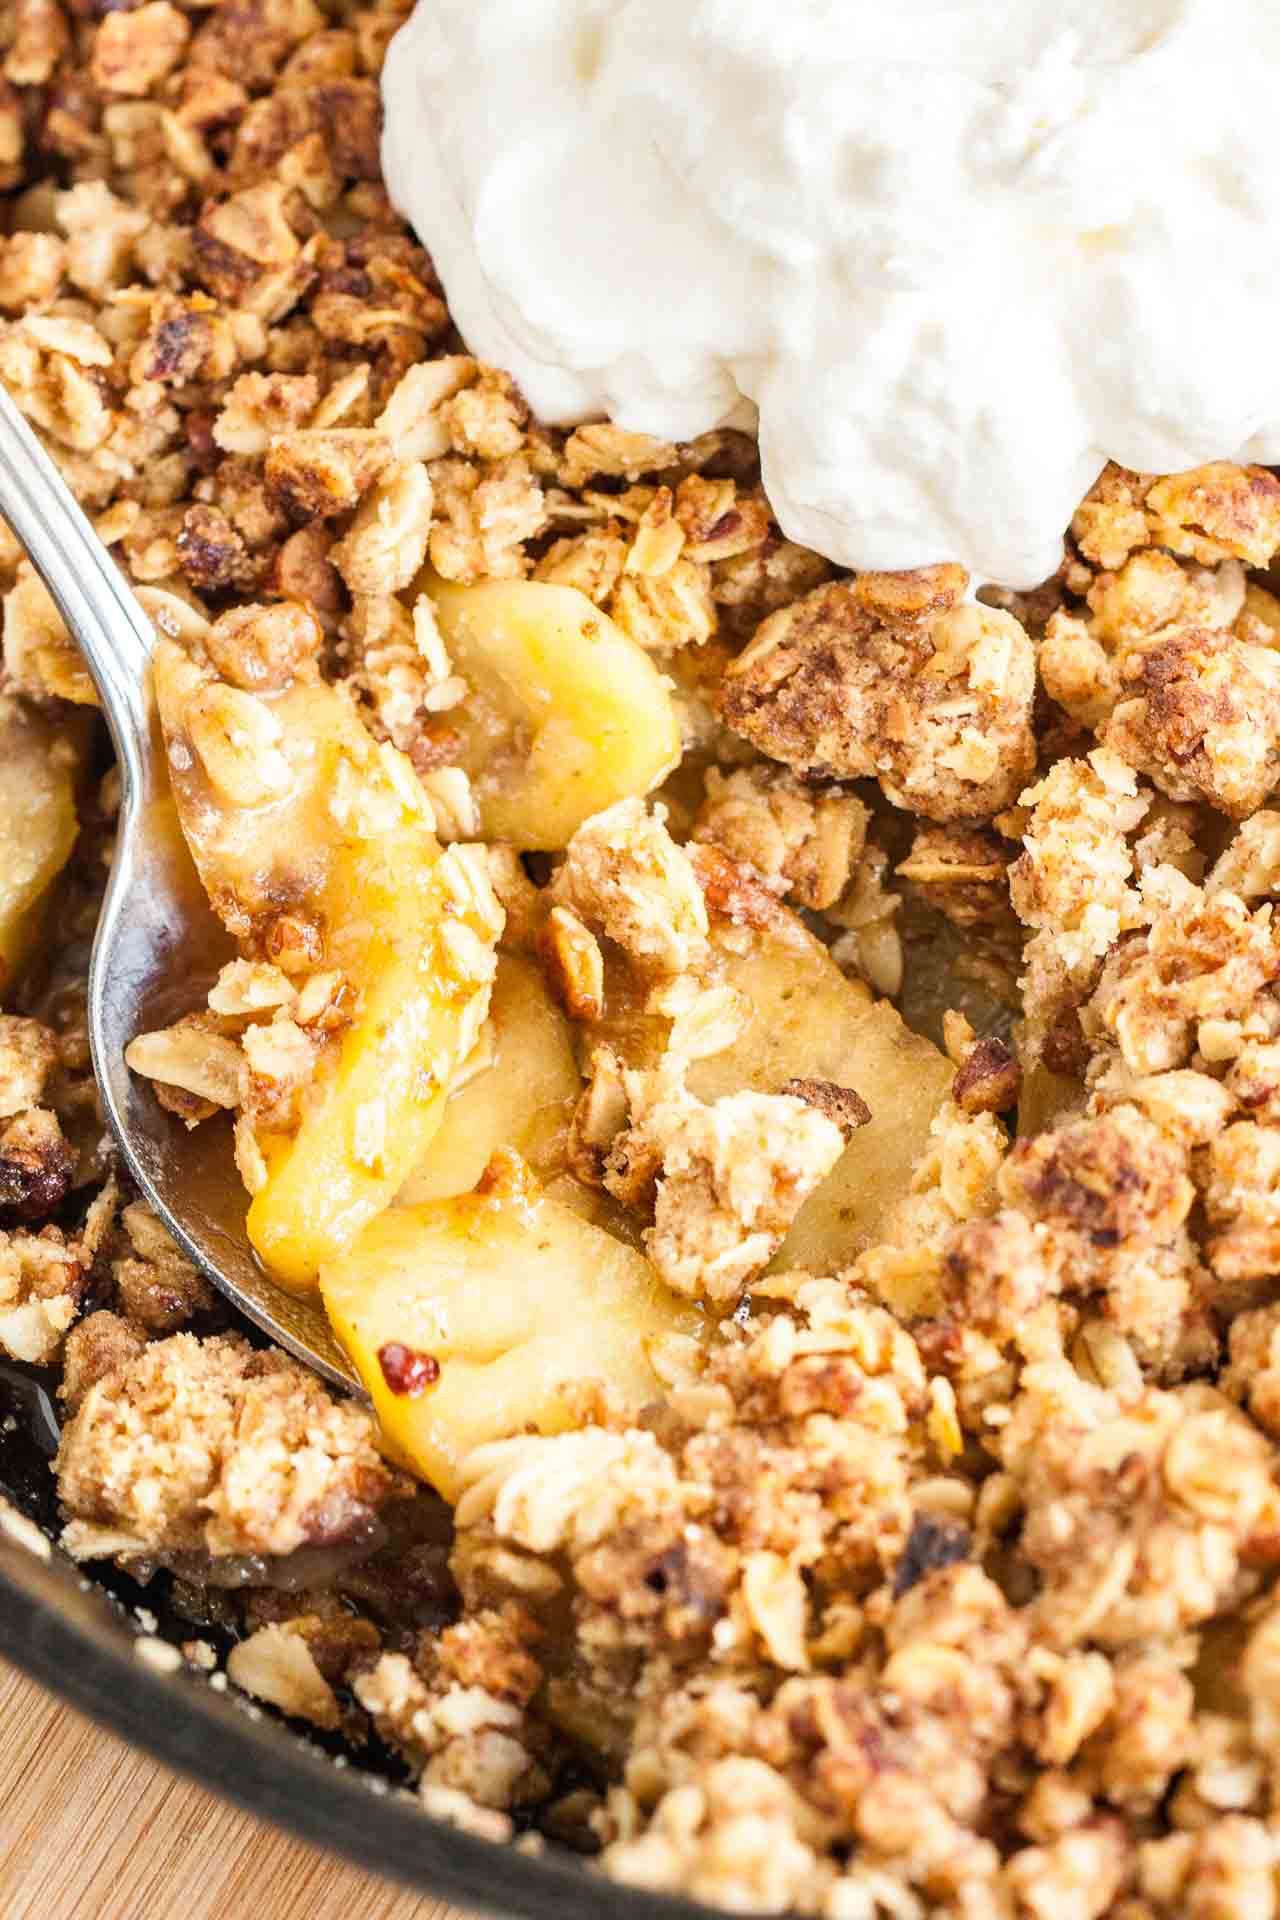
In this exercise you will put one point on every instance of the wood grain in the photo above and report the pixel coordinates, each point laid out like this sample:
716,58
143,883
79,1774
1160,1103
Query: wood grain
91,1830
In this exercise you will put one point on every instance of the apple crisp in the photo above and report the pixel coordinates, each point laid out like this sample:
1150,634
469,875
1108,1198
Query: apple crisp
773,1075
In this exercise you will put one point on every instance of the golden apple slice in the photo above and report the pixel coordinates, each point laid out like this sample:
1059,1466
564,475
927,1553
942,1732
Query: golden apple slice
806,1020
522,1097
467,1318
293,813
39,767
566,714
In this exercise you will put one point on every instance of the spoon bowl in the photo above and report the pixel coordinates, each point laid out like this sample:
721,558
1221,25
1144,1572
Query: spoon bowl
158,944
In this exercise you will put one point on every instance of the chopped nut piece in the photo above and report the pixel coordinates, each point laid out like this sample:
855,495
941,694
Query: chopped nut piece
574,964
156,1286
732,889
989,1079
262,649
133,51
36,1165
320,474
963,871
213,555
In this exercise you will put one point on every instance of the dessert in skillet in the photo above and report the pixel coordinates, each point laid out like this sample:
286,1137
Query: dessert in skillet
772,1065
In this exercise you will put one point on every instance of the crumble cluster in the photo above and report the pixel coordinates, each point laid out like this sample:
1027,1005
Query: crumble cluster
942,1582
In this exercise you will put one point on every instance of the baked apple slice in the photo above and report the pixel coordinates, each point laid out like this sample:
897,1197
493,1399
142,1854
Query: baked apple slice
521,1093
316,847
804,1019
565,714
467,1318
40,765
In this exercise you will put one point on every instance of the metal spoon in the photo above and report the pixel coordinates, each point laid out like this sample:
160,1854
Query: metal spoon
158,944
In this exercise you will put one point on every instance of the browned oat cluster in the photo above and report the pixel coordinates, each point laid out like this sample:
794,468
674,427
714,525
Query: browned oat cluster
940,1577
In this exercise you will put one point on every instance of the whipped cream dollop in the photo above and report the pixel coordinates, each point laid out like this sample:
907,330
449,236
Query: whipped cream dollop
948,257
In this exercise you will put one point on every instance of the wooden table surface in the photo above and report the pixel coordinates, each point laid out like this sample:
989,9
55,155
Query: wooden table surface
91,1830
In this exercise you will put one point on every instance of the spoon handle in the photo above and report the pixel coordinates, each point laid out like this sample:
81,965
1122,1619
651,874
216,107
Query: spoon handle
89,590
